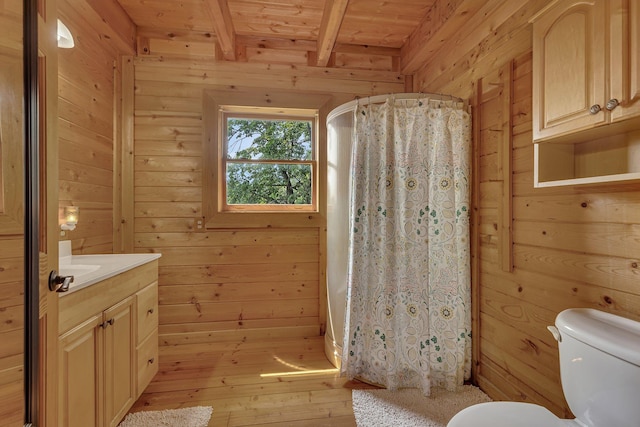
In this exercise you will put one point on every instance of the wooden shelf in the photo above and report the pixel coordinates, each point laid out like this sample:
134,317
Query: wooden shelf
614,158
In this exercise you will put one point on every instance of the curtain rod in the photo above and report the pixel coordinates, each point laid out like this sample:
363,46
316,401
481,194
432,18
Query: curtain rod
375,99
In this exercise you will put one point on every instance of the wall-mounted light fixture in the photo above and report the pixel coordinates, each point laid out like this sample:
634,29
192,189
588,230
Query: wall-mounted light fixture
65,39
70,218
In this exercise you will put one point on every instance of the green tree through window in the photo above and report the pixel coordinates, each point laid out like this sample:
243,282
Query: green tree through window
269,161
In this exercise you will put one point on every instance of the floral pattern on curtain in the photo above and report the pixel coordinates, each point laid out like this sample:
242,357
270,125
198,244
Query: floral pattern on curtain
408,317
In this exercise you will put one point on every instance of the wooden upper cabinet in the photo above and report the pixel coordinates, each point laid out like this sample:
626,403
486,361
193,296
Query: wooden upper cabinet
569,68
625,58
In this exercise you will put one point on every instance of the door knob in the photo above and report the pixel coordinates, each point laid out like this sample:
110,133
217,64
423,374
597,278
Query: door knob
59,283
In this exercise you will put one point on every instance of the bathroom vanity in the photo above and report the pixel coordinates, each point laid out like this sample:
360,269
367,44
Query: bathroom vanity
108,342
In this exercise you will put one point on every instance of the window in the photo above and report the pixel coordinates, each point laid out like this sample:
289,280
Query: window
268,159
264,162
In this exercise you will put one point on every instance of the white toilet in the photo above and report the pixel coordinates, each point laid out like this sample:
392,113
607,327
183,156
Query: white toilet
600,373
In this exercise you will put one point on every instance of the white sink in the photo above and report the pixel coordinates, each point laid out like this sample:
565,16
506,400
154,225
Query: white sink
77,270
89,269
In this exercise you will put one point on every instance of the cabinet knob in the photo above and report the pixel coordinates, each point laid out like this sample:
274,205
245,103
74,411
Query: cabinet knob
104,325
612,103
150,311
150,361
595,109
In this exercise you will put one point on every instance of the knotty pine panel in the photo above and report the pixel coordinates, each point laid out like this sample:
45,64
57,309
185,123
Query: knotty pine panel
223,292
178,133
164,164
237,255
179,48
92,173
185,333
169,118
168,225
621,207
168,179
491,139
620,273
613,239
174,104
92,197
250,310
504,384
177,146
230,237
168,194
518,368
522,159
263,330
556,294
12,391
277,56
523,139
187,275
13,293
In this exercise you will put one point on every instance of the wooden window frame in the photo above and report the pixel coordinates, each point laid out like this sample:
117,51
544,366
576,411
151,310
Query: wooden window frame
215,104
268,113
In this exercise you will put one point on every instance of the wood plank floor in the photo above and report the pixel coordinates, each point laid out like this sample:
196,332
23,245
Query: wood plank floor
285,382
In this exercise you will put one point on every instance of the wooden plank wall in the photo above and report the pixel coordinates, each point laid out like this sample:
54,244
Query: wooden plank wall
572,246
86,105
224,284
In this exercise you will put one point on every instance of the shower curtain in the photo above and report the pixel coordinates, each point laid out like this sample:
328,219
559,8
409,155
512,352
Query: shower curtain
408,317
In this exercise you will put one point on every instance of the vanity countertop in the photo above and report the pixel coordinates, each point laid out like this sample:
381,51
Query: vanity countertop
90,269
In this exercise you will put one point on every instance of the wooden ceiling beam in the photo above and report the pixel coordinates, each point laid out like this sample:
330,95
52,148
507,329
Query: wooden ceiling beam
220,16
332,17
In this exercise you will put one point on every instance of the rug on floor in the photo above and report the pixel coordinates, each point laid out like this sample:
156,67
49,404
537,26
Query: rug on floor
196,416
410,408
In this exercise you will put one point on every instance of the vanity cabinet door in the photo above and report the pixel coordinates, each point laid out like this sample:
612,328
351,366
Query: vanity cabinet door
119,361
80,375
570,63
625,58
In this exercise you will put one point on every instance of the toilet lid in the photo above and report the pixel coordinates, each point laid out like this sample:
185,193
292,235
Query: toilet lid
507,414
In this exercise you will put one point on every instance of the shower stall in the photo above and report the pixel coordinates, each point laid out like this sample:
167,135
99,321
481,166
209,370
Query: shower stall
340,132
398,258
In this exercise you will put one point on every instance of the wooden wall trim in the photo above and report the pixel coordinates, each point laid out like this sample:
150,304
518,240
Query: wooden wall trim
505,154
126,149
475,234
118,118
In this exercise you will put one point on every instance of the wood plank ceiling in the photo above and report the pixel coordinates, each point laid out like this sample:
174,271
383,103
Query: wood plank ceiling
321,27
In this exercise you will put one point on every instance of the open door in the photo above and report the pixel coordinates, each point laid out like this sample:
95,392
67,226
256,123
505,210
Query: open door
28,211
48,227
12,230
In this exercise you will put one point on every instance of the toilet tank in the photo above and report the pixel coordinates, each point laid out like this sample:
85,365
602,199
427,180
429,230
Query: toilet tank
600,367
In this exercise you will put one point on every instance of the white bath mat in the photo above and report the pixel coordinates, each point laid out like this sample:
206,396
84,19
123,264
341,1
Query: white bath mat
410,408
196,416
